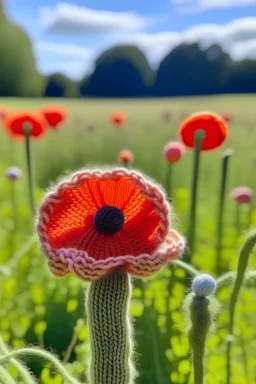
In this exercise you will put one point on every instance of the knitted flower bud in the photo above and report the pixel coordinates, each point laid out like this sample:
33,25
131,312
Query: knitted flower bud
13,173
204,285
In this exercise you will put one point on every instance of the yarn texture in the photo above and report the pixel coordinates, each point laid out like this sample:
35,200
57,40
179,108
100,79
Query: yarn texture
109,330
204,285
74,241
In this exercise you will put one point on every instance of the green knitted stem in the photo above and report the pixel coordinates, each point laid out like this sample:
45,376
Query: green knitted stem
109,330
18,353
224,171
198,139
169,179
5,377
24,373
26,128
242,265
201,319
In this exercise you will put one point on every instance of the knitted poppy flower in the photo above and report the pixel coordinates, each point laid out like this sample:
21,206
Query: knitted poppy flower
126,157
14,124
97,221
54,115
214,127
118,118
242,195
174,151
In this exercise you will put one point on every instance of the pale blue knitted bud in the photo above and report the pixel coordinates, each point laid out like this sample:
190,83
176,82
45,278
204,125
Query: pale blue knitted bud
204,285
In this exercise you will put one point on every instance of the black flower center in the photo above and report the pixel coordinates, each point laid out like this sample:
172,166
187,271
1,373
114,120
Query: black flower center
109,220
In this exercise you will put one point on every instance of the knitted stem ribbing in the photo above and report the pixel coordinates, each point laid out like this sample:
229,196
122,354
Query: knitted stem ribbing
109,330
201,317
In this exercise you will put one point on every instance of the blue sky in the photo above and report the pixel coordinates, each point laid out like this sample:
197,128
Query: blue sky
67,36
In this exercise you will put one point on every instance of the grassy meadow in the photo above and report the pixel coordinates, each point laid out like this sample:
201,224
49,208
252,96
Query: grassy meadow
36,308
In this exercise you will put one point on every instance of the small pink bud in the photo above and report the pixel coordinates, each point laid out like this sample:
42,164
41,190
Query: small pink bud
174,151
242,195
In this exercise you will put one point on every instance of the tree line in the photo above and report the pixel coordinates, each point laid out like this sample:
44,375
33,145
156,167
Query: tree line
124,71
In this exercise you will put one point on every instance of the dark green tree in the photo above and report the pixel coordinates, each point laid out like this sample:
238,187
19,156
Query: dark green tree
122,71
58,85
189,70
242,77
18,73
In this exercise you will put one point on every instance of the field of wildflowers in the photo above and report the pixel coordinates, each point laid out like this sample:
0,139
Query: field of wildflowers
211,192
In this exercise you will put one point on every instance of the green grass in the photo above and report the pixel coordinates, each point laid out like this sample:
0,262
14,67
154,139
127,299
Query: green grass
30,296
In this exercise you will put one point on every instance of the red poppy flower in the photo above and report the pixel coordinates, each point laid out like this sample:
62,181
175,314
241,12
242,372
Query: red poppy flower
174,151
3,112
14,124
54,115
214,127
118,118
98,221
242,195
126,156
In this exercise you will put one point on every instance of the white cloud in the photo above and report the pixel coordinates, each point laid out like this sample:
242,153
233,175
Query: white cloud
74,51
238,38
242,50
195,6
71,19
157,45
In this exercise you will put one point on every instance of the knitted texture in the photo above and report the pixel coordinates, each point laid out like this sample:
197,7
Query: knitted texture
200,313
214,127
109,330
72,243
204,285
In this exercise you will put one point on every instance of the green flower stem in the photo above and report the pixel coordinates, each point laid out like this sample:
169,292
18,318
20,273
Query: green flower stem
5,377
200,312
187,267
238,219
169,179
242,265
29,168
23,372
229,278
14,205
199,136
250,212
219,235
109,330
43,354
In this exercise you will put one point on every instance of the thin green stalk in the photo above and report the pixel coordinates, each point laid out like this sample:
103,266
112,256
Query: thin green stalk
44,355
200,313
5,377
187,267
169,179
250,211
219,235
14,205
29,168
22,370
242,265
238,219
107,305
199,136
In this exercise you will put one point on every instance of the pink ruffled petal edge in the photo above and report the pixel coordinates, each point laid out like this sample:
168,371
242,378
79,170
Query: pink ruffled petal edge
69,260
